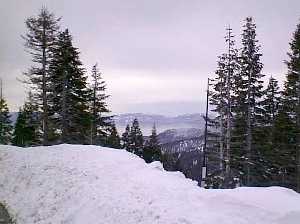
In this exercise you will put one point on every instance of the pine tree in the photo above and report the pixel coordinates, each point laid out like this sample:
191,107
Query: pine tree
5,122
271,102
70,95
291,104
283,157
152,151
136,140
268,154
248,91
126,138
101,123
19,136
26,132
221,100
39,41
113,139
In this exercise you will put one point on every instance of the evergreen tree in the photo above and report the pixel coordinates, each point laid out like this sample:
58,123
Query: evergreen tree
136,140
113,139
39,41
70,94
291,104
152,151
126,138
26,132
283,157
101,123
268,154
5,122
248,91
221,101
271,102
19,136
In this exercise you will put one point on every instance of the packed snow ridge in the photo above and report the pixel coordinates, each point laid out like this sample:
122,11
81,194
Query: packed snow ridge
89,184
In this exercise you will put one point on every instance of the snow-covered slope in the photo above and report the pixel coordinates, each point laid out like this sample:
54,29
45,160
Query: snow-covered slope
88,184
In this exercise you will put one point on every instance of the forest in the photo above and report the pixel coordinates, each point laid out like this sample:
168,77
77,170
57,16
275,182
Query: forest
253,126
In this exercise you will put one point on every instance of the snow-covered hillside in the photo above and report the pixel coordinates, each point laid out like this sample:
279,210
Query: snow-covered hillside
88,184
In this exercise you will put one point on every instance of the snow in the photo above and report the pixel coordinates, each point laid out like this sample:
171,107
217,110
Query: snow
89,184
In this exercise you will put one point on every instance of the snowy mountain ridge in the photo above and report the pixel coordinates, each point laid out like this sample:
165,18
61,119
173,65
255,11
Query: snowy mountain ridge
161,122
89,184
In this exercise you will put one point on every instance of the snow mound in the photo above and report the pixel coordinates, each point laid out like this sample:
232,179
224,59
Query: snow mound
89,184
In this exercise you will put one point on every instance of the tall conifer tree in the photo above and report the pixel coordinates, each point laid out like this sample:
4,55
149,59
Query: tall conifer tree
291,104
221,100
39,41
70,93
248,91
101,122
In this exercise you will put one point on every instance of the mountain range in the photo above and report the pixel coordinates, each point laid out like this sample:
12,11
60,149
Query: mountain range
162,122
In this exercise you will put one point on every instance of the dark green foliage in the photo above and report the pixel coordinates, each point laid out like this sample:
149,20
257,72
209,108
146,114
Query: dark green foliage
39,41
101,123
271,102
132,139
246,108
136,140
219,137
291,107
152,151
283,155
113,139
5,123
125,138
70,95
26,132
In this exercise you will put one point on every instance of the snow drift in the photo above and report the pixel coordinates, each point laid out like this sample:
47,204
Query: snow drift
89,184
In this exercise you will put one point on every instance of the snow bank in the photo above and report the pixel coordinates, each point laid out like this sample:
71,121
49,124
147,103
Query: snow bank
88,184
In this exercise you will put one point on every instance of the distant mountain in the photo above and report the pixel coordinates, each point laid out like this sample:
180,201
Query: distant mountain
174,135
170,128
163,123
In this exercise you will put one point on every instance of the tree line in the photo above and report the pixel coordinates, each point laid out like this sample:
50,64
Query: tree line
254,132
62,105
253,138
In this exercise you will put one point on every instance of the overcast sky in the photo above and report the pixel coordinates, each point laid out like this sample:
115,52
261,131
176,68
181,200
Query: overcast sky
155,55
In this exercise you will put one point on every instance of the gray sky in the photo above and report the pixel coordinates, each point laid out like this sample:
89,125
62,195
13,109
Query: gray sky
155,54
